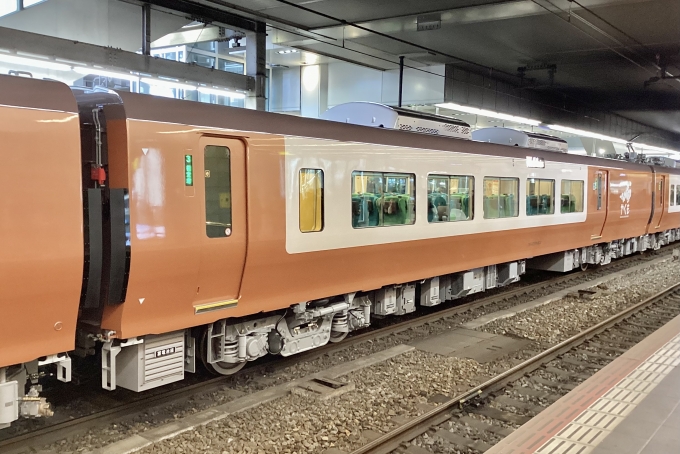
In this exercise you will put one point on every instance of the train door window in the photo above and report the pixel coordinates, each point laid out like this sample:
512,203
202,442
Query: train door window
540,197
599,190
501,197
217,191
671,199
571,200
383,199
311,200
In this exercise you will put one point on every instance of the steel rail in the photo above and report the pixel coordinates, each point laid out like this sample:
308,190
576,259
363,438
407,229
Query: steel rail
419,425
53,433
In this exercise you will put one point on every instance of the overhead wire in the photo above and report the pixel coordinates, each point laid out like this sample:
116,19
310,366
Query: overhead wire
602,32
394,38
630,37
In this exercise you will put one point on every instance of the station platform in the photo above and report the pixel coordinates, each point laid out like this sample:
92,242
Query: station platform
631,406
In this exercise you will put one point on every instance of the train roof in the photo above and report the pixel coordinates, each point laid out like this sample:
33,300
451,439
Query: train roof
36,94
154,108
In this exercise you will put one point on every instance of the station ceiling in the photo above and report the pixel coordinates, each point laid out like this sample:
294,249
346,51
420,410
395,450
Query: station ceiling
616,55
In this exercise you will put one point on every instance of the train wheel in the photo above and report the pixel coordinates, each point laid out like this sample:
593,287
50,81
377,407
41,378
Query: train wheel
220,368
337,336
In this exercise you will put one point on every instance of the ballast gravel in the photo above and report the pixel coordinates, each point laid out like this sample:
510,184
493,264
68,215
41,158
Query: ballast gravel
399,387
559,320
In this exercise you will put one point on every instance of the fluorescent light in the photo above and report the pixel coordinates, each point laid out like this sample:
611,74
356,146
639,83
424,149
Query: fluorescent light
221,92
602,150
101,72
488,113
168,84
45,64
653,148
287,51
592,135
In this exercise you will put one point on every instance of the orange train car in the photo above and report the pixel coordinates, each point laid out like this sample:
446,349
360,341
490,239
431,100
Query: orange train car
208,234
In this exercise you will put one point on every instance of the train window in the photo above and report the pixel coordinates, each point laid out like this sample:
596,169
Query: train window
677,195
572,196
540,196
450,198
382,199
501,197
671,199
217,191
311,200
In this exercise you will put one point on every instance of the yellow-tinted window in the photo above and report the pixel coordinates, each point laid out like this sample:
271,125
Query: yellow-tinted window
540,196
571,200
217,191
501,197
311,200
382,199
449,198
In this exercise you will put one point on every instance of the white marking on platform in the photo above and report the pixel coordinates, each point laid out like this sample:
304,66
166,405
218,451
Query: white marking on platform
596,422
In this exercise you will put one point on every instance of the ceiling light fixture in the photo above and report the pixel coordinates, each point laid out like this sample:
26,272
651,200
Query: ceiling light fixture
287,51
37,63
221,92
488,113
592,135
168,84
654,149
104,73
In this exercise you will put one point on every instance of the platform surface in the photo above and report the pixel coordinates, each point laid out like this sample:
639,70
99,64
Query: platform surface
631,406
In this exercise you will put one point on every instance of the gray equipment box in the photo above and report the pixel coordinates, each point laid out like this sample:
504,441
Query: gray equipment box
158,361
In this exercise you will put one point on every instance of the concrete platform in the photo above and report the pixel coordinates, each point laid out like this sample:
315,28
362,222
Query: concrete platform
631,406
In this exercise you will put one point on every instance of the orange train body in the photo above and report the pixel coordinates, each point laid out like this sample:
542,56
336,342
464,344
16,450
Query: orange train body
140,266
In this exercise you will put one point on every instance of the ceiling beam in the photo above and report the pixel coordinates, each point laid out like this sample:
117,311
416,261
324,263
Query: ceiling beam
117,59
208,14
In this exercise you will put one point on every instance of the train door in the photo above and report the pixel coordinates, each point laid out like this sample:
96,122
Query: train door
600,206
659,200
221,183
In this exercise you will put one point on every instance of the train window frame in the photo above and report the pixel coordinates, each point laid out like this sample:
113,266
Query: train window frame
369,191
487,212
539,182
578,200
315,184
435,217
215,227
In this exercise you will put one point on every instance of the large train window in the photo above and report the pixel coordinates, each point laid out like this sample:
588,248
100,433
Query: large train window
540,196
450,198
217,191
501,197
383,199
572,196
311,200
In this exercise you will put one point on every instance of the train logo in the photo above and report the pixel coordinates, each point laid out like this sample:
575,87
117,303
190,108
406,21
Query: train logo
625,198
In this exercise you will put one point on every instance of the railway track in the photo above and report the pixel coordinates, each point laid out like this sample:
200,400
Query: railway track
489,302
513,397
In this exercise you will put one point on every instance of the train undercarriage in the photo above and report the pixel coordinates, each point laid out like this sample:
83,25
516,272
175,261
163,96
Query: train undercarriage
225,346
